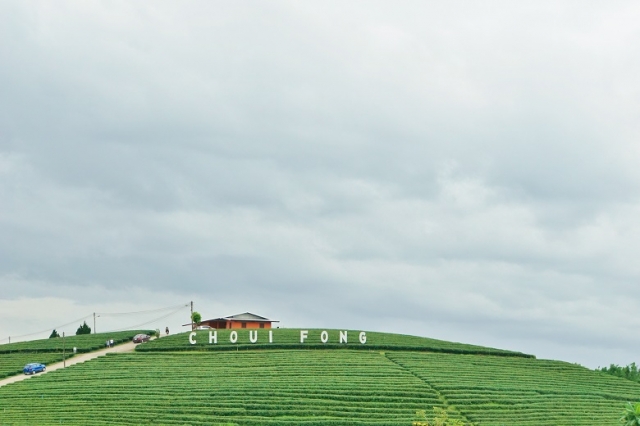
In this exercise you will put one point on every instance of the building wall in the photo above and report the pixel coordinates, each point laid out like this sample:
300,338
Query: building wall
215,324
248,324
236,324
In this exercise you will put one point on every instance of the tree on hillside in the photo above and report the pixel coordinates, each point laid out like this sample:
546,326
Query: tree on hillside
631,414
195,318
54,333
83,329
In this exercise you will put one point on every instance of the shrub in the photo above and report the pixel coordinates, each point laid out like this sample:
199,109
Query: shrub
441,418
631,414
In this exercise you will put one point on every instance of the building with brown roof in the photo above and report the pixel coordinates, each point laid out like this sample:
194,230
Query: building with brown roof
246,320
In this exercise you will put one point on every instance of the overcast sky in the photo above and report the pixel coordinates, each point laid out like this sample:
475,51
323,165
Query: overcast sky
461,170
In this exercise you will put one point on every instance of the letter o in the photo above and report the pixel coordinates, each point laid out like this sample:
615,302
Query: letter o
324,337
233,336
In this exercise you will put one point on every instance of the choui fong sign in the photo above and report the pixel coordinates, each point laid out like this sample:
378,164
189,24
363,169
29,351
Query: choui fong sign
253,337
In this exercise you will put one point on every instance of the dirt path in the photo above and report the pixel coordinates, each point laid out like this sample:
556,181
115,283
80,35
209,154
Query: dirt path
125,347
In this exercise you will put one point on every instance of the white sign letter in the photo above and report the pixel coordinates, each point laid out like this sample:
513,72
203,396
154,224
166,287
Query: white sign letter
270,336
303,335
233,336
324,337
253,337
343,337
363,337
213,337
192,336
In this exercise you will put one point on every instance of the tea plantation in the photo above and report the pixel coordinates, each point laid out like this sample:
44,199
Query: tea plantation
315,385
14,356
12,364
83,343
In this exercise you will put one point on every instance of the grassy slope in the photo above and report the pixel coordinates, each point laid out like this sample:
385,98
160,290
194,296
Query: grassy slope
12,364
287,338
83,343
13,356
315,387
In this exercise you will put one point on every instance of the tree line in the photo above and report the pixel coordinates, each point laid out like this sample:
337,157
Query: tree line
628,372
83,329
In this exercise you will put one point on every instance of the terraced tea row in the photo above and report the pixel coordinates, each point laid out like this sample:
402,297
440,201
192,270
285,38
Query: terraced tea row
314,387
248,388
496,391
83,343
12,364
283,338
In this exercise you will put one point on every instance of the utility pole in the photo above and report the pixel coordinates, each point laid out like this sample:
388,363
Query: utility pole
94,323
191,317
64,360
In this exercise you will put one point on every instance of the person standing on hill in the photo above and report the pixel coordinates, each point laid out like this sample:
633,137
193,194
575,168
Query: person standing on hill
166,330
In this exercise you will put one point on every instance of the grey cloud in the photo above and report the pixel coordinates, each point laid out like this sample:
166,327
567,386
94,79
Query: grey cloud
454,169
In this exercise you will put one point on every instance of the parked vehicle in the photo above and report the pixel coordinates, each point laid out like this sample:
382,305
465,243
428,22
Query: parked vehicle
203,327
139,338
34,368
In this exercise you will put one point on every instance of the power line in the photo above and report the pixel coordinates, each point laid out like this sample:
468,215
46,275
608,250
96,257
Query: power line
47,329
106,314
103,314
133,327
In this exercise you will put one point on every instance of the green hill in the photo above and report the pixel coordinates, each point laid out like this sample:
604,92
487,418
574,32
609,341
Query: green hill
311,386
83,342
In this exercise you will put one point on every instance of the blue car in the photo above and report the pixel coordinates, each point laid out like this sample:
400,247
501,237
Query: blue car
34,368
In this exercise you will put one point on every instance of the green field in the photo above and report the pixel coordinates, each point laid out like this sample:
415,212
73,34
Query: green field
12,364
312,386
83,343
288,338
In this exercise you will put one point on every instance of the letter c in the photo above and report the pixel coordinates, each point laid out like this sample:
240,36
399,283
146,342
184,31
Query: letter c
192,336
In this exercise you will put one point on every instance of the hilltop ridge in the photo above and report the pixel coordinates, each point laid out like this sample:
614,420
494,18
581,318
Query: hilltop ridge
312,338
